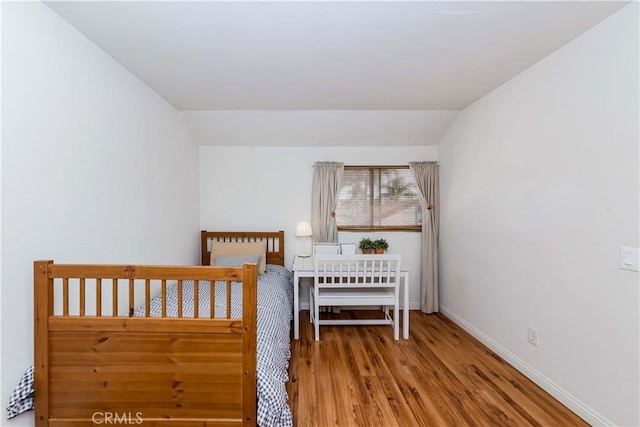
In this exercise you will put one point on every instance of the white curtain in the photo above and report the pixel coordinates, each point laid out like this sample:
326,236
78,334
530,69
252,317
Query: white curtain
324,195
426,175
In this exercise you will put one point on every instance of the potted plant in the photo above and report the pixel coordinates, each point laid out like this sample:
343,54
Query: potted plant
380,246
366,245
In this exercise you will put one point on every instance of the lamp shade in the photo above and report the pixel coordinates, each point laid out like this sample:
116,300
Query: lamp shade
303,229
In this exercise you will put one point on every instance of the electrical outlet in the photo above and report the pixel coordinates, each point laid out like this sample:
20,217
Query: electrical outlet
533,336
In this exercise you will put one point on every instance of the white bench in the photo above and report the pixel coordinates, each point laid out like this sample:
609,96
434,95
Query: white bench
356,280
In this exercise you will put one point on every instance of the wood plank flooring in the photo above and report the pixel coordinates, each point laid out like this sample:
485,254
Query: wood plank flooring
441,376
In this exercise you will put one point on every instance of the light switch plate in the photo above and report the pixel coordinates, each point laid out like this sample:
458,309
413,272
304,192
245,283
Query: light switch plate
629,258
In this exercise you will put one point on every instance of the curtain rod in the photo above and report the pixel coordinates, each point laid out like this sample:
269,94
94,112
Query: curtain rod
381,166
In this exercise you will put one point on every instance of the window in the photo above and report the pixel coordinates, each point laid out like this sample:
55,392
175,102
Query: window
378,198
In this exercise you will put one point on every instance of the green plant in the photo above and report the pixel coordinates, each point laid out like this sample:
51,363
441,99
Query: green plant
381,244
366,244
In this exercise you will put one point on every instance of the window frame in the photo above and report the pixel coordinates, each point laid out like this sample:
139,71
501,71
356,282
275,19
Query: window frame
371,227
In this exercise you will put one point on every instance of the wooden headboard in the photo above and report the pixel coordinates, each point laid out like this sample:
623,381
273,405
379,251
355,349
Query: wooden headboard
275,243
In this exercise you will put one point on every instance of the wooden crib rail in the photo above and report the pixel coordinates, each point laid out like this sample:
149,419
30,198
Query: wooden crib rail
137,271
167,371
101,278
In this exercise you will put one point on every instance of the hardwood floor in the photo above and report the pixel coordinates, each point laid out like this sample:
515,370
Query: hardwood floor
441,376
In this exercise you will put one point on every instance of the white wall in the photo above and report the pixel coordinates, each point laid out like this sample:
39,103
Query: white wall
319,128
539,188
268,188
95,168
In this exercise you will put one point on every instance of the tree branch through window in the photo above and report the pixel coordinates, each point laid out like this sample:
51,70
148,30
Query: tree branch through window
378,198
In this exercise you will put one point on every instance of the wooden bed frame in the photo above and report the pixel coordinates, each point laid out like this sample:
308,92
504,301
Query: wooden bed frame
275,243
92,366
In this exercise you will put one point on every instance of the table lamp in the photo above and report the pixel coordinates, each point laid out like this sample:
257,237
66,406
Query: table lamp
303,230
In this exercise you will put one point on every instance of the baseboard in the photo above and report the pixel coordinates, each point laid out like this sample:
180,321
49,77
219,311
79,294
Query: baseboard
581,409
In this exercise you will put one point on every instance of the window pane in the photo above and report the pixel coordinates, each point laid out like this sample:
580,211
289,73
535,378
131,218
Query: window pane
378,198
354,199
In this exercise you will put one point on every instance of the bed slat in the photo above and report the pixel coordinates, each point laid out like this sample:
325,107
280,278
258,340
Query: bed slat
228,299
65,296
114,297
164,298
99,297
147,297
196,299
131,297
179,298
82,297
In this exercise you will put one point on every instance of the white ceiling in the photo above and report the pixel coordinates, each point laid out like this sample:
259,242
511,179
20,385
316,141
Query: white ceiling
348,55
327,73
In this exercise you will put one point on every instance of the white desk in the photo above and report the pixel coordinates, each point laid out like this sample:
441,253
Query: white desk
303,267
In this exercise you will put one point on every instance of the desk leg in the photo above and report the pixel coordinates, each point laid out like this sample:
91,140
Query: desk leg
296,305
405,311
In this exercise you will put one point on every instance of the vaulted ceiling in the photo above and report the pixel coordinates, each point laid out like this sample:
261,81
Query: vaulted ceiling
329,55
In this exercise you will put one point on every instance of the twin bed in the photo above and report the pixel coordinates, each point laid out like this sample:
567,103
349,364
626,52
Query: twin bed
163,345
